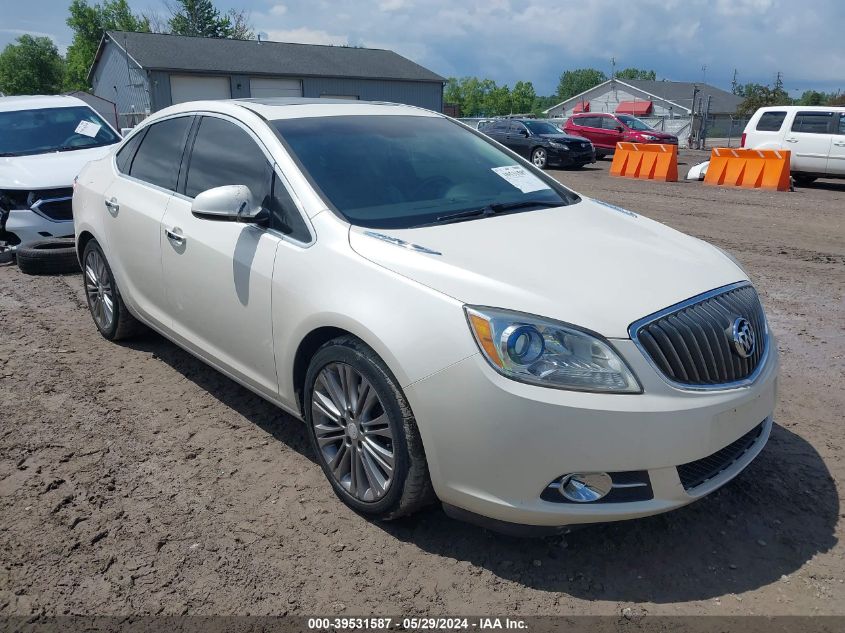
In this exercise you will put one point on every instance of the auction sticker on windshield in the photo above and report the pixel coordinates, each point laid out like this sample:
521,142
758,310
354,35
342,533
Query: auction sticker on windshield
525,181
87,128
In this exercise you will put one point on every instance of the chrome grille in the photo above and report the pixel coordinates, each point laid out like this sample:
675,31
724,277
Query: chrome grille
692,343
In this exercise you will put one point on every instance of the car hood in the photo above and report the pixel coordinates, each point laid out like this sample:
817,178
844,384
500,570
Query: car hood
588,264
46,171
563,138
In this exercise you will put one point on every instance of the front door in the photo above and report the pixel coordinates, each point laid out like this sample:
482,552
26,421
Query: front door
810,139
218,274
519,139
836,161
136,201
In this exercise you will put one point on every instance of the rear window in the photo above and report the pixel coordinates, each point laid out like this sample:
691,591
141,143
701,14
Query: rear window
160,155
770,121
813,122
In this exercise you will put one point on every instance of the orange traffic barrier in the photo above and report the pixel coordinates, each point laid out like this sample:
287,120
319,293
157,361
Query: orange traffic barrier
645,160
756,168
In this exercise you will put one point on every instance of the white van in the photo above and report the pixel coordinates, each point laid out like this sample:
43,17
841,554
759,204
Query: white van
814,134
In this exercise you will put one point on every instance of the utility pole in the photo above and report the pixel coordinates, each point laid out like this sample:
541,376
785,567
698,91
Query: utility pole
613,68
704,73
733,83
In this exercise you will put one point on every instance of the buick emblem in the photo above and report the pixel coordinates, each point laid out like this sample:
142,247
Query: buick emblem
743,337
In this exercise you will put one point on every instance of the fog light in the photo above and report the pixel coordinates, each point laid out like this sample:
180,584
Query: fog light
585,487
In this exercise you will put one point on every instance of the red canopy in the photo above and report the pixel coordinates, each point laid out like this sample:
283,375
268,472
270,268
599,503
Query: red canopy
581,106
637,108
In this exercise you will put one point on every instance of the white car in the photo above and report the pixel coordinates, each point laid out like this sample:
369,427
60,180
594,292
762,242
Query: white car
446,319
44,143
815,135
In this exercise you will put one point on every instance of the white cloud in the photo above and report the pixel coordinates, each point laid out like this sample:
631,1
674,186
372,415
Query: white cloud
278,9
305,35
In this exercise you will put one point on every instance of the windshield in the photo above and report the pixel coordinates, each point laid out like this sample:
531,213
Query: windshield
633,122
404,171
24,132
542,127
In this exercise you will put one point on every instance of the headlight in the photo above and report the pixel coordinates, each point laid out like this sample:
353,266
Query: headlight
649,137
544,352
559,145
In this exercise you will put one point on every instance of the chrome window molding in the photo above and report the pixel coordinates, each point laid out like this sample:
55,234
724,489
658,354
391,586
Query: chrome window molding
635,327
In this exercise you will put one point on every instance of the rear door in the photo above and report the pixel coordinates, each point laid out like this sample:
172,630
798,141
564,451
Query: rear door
148,170
810,140
217,273
590,127
836,161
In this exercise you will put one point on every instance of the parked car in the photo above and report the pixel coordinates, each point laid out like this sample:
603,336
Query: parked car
541,142
44,143
449,321
606,130
815,135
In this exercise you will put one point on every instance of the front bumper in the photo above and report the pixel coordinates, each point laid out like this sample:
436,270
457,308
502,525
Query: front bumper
25,225
567,158
493,444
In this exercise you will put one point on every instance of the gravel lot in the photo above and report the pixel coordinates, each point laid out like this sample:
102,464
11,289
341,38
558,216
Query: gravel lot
134,479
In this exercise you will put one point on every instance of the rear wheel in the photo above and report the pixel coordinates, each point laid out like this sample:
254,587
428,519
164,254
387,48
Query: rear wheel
801,179
104,301
363,432
539,157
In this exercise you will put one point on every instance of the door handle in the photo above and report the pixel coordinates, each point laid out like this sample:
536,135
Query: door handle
791,140
839,144
173,236
112,205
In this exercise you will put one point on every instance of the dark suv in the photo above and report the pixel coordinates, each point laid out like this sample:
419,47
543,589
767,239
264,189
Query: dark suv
541,142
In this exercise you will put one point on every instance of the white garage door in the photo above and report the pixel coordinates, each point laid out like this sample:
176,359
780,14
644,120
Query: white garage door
192,88
263,87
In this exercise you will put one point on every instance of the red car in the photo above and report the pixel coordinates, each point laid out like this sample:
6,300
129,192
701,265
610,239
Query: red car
606,130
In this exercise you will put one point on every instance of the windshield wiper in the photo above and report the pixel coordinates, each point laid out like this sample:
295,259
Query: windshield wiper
495,208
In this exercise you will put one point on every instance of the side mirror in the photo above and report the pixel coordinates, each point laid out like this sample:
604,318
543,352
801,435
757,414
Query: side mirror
619,128
232,203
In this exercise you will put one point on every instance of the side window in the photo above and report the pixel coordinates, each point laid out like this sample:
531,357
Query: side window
842,123
497,127
813,122
517,128
588,121
609,123
770,121
284,216
224,154
158,158
127,152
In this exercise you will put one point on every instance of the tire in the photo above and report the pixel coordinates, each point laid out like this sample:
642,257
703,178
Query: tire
801,179
50,256
408,487
99,286
600,155
540,157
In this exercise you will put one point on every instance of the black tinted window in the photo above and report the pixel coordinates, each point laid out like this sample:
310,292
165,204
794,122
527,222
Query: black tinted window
160,155
770,121
609,123
127,153
224,154
813,122
841,124
284,216
497,127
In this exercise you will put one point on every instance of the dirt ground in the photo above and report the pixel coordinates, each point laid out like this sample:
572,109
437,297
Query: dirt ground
134,479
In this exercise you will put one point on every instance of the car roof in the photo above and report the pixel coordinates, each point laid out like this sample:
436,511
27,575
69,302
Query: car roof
802,108
297,107
38,102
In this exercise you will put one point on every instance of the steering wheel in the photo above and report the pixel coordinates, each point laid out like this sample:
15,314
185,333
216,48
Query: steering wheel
433,184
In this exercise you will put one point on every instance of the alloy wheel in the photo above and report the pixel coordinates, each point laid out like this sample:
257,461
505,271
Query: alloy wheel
353,432
540,157
98,289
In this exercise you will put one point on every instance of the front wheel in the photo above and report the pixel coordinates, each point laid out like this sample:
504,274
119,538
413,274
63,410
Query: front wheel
539,157
363,432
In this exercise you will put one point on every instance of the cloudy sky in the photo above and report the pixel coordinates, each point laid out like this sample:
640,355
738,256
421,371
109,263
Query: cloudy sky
509,40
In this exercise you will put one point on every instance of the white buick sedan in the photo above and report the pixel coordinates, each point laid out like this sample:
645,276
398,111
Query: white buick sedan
448,321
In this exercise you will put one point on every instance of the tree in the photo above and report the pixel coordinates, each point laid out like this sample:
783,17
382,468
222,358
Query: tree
31,65
813,98
200,18
523,96
757,96
88,23
836,100
636,73
573,82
